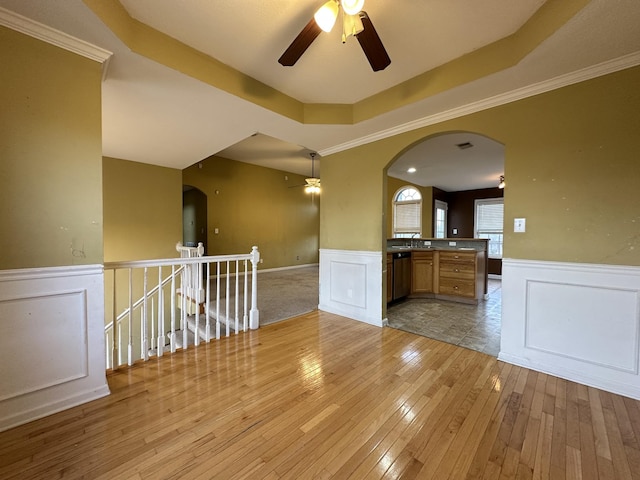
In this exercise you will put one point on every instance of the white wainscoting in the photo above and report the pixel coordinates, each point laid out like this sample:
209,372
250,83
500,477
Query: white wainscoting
52,353
576,321
351,284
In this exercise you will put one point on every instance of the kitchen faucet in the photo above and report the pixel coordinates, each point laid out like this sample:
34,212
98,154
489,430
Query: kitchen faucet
412,237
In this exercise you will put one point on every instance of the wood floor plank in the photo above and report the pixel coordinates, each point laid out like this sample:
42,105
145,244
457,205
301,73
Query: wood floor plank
324,397
481,456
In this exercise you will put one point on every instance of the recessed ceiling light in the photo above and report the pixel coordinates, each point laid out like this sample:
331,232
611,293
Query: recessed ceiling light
411,170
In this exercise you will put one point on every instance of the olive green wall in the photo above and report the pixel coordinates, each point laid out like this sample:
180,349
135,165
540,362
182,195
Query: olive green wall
252,205
571,165
50,155
142,210
395,184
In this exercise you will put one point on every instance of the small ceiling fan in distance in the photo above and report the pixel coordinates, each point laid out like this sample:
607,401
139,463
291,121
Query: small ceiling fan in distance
312,184
355,21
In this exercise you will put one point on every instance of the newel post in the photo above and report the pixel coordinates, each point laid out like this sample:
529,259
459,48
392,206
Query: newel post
254,314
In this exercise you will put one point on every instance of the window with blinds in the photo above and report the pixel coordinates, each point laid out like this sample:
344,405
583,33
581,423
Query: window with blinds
489,221
407,213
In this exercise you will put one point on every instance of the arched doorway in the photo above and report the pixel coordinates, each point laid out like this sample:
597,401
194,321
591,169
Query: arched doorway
456,173
194,217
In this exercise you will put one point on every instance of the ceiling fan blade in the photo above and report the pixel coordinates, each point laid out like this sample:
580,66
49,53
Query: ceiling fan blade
372,45
300,44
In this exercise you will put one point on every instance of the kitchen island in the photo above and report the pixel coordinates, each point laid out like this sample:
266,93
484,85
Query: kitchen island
445,268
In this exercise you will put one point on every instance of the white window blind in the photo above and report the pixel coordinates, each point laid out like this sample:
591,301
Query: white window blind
490,216
407,212
407,217
489,221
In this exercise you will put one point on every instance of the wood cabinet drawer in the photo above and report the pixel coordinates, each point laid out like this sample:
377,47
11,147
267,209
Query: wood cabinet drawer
458,257
463,288
457,270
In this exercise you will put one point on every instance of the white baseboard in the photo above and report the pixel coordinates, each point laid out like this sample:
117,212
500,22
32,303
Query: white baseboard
577,321
52,352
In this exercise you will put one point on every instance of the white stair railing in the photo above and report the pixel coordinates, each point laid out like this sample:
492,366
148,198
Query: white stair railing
176,306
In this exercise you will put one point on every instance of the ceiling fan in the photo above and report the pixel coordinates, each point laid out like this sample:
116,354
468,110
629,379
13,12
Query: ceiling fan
312,184
355,22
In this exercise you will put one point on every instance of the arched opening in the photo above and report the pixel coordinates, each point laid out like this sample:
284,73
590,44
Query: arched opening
194,217
457,175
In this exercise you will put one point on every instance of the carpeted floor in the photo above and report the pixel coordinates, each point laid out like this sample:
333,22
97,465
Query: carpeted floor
283,294
287,293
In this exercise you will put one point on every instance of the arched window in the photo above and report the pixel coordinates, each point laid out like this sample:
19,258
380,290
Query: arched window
407,213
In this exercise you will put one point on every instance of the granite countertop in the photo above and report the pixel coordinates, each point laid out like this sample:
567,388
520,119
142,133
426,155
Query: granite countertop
418,245
430,249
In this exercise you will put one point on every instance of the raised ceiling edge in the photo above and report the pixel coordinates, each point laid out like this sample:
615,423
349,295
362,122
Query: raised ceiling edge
604,68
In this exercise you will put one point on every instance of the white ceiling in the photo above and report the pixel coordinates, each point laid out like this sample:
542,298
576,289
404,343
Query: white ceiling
441,158
157,115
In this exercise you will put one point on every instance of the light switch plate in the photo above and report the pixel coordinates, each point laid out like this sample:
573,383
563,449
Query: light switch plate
519,225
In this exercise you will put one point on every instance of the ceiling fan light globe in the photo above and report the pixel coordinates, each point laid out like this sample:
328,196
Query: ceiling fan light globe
352,7
326,15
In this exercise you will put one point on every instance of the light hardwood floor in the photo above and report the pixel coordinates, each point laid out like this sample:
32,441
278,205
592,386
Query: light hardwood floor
321,396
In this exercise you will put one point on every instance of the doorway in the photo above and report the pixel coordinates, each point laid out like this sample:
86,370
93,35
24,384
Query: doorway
452,171
194,217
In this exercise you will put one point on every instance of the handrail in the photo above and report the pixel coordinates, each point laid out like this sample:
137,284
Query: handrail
192,298
139,302
167,262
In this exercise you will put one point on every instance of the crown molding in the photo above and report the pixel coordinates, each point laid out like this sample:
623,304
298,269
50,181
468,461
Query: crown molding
604,68
55,37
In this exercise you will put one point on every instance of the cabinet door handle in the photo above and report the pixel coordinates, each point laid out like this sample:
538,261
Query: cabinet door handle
455,287
456,270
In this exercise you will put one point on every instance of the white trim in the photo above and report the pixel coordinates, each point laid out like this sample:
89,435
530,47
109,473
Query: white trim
573,320
42,309
49,272
604,68
55,37
351,284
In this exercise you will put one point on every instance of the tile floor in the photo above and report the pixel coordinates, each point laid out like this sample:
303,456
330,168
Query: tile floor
476,327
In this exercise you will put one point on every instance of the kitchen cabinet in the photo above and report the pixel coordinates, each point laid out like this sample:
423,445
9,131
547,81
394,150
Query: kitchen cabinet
461,274
422,272
389,277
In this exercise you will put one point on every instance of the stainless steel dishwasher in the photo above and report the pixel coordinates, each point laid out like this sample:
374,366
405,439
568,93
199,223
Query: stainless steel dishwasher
401,274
